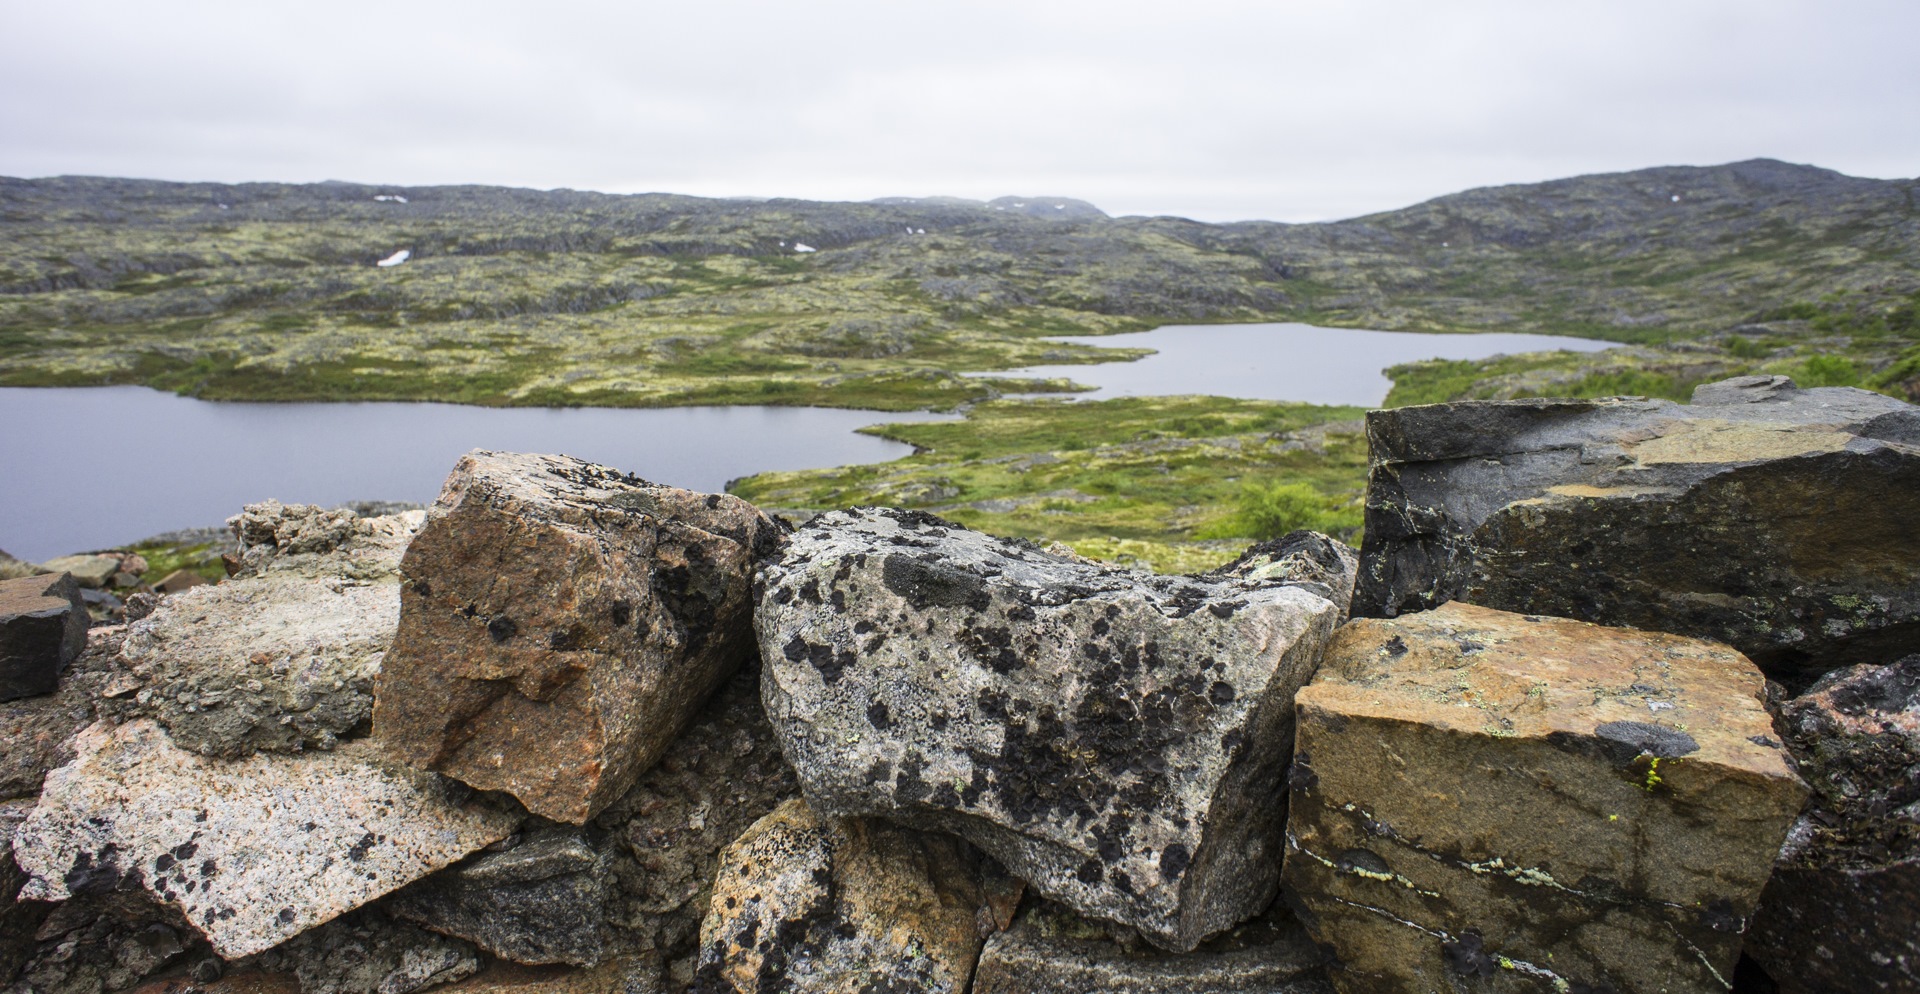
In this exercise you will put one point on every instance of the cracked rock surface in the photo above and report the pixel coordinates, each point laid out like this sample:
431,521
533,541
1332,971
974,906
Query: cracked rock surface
251,851
539,902
1116,739
1840,911
1479,794
282,656
560,623
1683,518
810,905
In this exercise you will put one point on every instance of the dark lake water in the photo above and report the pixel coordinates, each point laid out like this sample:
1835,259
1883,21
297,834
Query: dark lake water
90,468
1281,361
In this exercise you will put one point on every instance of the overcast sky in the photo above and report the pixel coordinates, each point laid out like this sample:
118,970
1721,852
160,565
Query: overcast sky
1213,109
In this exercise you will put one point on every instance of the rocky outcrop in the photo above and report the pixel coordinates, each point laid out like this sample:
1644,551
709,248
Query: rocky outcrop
1051,949
805,904
1841,909
538,902
1479,794
560,624
43,625
283,656
135,812
1684,518
1116,739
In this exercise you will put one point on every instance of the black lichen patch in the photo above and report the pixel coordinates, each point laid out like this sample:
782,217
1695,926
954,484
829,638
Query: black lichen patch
830,663
1644,739
1468,957
1395,647
929,583
501,628
1174,860
878,716
992,647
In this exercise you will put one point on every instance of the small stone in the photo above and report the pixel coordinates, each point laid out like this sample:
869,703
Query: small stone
1479,793
1692,519
92,570
539,902
804,904
217,838
1840,911
560,623
1116,739
43,626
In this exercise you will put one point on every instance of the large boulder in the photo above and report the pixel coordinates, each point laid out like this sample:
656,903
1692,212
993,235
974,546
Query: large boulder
1480,794
282,657
1842,911
1117,739
43,625
1779,520
805,904
1050,949
560,624
251,851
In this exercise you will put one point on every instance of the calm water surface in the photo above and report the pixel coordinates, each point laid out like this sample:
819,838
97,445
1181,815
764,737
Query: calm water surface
90,468
1280,361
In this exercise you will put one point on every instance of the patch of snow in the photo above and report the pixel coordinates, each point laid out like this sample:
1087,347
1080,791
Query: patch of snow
395,259
920,231
1059,207
390,198
224,207
1676,198
802,247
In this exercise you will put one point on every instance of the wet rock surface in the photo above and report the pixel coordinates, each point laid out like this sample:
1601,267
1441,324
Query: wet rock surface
36,732
133,812
1841,909
560,623
1116,739
1049,948
43,625
1683,518
538,902
806,904
1479,794
283,656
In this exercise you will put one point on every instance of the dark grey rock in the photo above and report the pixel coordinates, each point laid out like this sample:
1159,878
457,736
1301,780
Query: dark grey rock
538,902
1117,739
367,952
43,625
36,733
1779,520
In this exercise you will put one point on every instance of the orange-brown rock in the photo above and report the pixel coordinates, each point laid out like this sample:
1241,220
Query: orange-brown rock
1479,795
560,623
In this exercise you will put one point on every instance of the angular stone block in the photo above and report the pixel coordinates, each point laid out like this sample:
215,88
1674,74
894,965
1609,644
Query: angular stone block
1477,794
36,733
561,623
283,656
1691,519
1050,949
1117,739
43,625
1842,911
805,904
539,902
368,952
251,851
92,570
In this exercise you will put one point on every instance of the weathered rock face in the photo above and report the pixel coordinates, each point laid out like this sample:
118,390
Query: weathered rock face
93,569
1051,949
36,732
1683,518
1840,911
43,625
722,775
1476,792
283,656
104,942
804,904
1308,560
18,920
368,952
219,839
1116,739
561,622
620,976
536,903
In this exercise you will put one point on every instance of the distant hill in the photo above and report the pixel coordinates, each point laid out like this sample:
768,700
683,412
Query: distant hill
520,296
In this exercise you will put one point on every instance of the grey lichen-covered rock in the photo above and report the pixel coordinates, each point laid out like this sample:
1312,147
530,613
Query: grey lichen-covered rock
1116,739
719,777
92,570
103,942
538,902
36,733
806,905
1050,950
561,623
283,656
1691,519
1308,560
630,975
43,625
251,851
1840,912
368,952
1479,795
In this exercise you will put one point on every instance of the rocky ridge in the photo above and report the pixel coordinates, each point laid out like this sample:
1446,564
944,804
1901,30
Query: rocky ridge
957,763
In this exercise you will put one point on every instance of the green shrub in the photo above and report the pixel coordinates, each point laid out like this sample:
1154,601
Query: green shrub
1828,371
1267,511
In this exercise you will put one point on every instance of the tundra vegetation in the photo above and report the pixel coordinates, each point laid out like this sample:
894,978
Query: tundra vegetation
561,298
